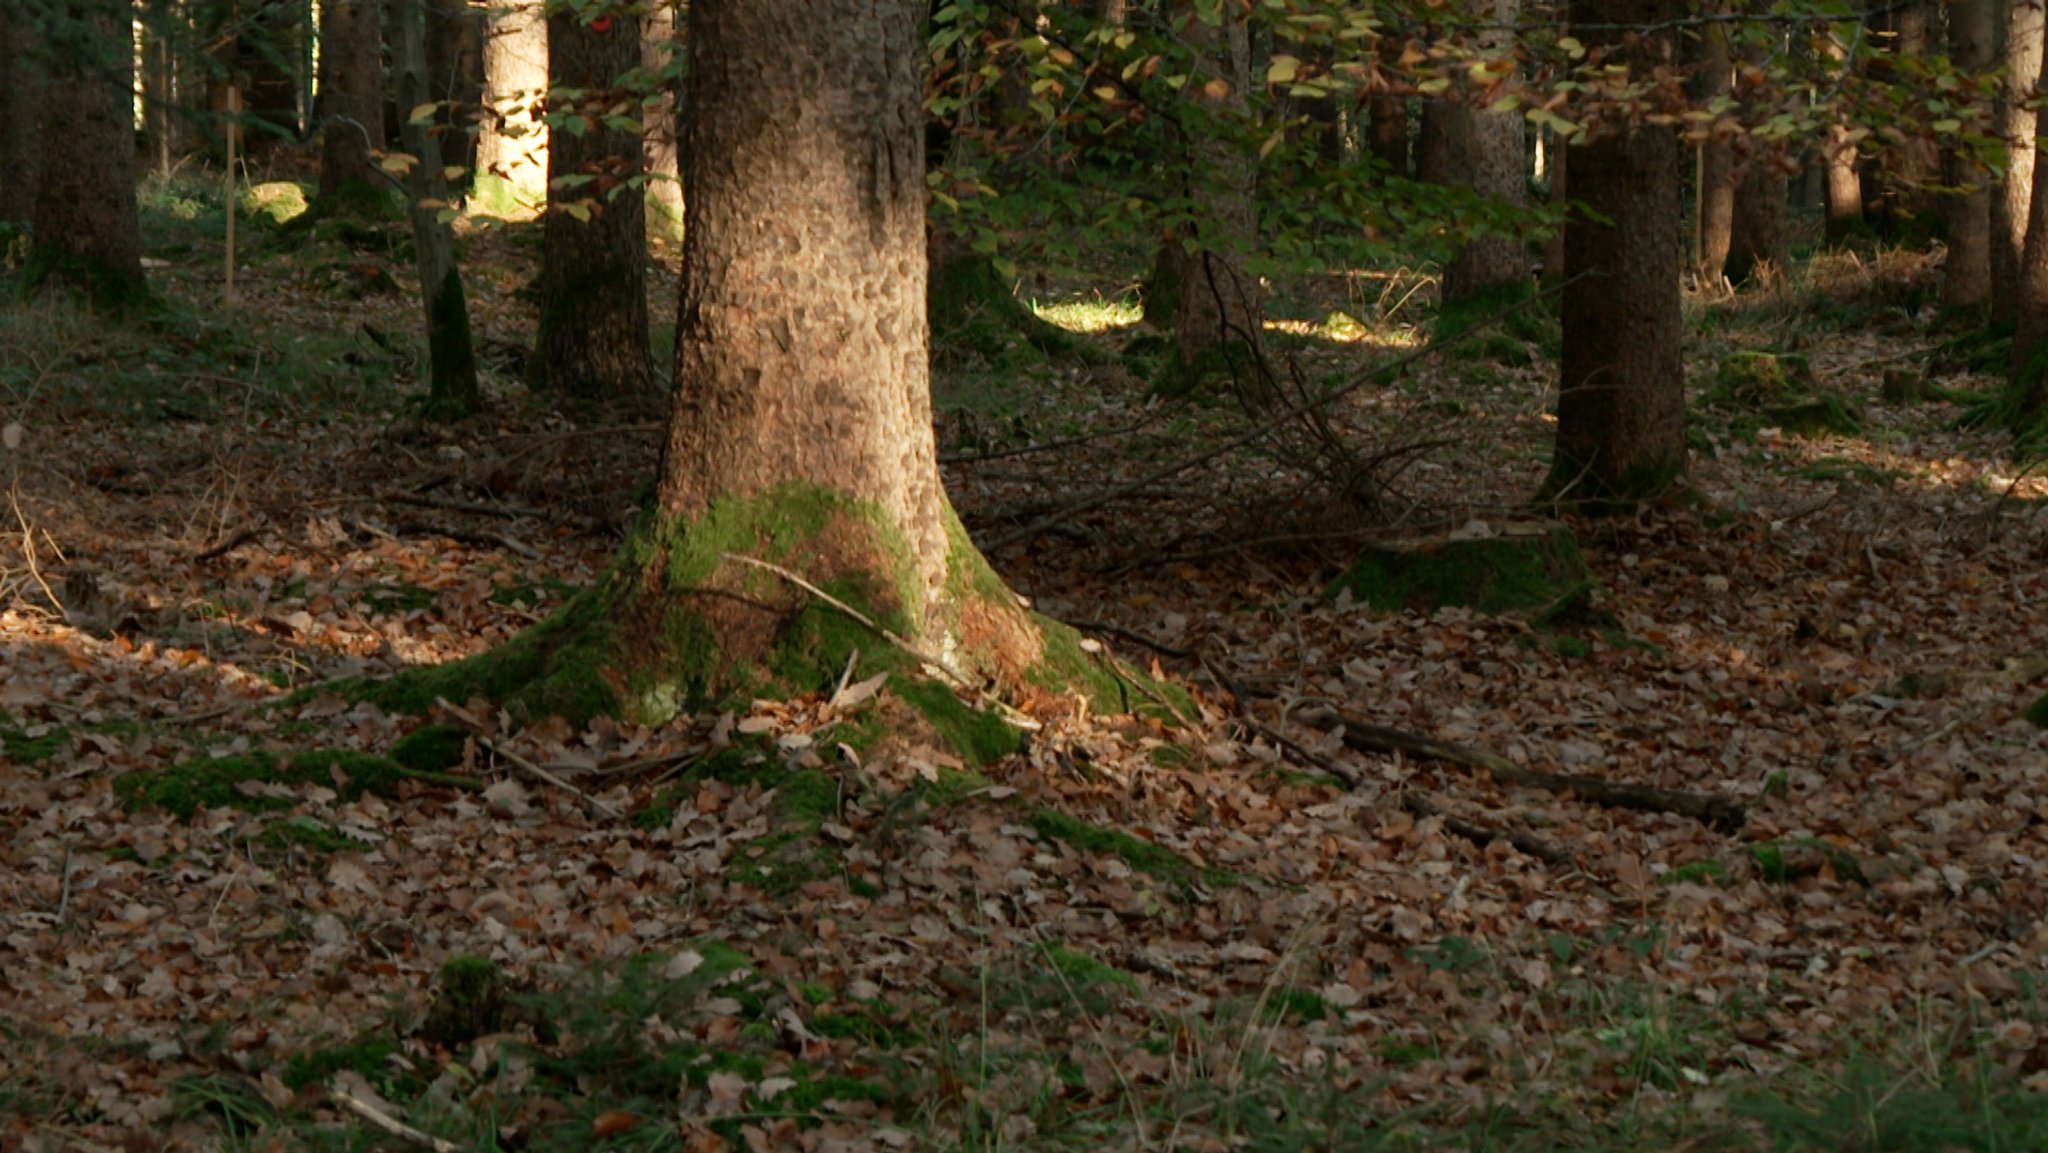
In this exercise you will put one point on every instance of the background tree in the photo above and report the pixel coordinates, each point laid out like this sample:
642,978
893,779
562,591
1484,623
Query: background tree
1966,281
2012,199
1484,151
1715,223
1219,298
87,229
452,389
659,44
1621,390
593,284
350,102
512,138
20,114
1759,235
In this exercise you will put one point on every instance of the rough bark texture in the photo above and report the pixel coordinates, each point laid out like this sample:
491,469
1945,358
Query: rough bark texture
593,284
87,229
659,43
512,140
1966,279
21,110
1219,300
1716,221
1759,236
2012,199
1621,403
2032,319
452,385
1485,151
802,347
351,100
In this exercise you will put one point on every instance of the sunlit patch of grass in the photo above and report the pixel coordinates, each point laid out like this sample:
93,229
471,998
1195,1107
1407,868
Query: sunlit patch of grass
1093,315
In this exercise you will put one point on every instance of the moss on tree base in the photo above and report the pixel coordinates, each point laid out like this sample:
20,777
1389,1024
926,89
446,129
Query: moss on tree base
1515,568
677,626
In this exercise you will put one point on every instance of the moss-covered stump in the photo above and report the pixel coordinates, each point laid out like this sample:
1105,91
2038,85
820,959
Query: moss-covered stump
469,1002
1782,392
1517,568
680,625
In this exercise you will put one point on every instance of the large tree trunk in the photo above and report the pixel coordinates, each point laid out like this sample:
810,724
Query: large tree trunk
1966,281
1485,152
1759,237
21,113
593,284
658,46
1219,304
351,102
512,140
451,382
87,230
2011,201
1715,223
1621,402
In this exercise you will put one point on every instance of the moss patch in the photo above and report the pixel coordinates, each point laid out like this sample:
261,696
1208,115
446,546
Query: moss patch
1139,854
258,782
18,746
432,748
1762,388
1526,569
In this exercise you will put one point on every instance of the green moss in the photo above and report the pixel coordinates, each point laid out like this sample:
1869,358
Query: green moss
369,1055
974,314
17,746
2036,713
1781,862
1297,1006
1707,872
980,737
1535,322
469,1001
398,597
279,202
304,833
431,748
1520,573
1139,854
230,782
1779,391
1082,971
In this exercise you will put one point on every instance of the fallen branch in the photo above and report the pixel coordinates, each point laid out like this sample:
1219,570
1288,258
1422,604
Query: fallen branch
228,545
956,676
452,505
389,1124
1481,835
476,729
470,537
1717,812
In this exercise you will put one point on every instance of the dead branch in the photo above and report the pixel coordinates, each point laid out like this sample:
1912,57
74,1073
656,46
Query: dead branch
477,729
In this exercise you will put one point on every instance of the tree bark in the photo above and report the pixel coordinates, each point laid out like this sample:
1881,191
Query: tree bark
21,112
1621,402
512,140
2012,200
351,101
2029,366
1966,280
658,151
455,73
593,285
1716,221
1841,154
1219,302
87,229
1759,236
1485,152
451,383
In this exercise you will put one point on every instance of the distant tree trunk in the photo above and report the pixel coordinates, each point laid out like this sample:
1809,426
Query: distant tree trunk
1840,153
455,74
21,113
2011,201
2029,353
87,230
1716,222
1621,402
451,384
1485,152
1553,248
593,284
1219,304
1966,280
658,46
351,102
1111,12
1759,236
512,141
159,48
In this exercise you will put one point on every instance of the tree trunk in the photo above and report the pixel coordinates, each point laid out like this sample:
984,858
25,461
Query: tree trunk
593,284
455,73
512,141
1621,402
1560,196
1716,221
1758,237
2028,395
21,112
1966,280
451,383
351,103
87,229
1219,305
159,48
1840,152
2011,200
658,46
1485,151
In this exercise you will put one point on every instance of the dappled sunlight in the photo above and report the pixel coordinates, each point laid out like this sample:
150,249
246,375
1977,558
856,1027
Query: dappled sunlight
1094,315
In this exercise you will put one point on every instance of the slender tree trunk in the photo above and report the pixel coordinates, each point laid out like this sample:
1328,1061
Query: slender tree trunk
658,47
593,285
21,113
1219,304
1486,152
1841,154
512,141
1716,221
1759,237
351,102
451,385
2029,354
87,230
1553,247
1621,402
455,74
159,81
2013,197
1966,281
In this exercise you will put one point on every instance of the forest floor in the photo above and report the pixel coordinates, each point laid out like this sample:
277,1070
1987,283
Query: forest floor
221,921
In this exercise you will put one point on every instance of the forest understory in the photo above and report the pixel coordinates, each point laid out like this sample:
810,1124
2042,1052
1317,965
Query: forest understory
229,895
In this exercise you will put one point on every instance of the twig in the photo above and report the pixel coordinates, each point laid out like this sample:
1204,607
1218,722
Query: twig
1482,835
1054,445
64,890
453,505
1136,638
244,536
388,1124
476,729
938,663
469,537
